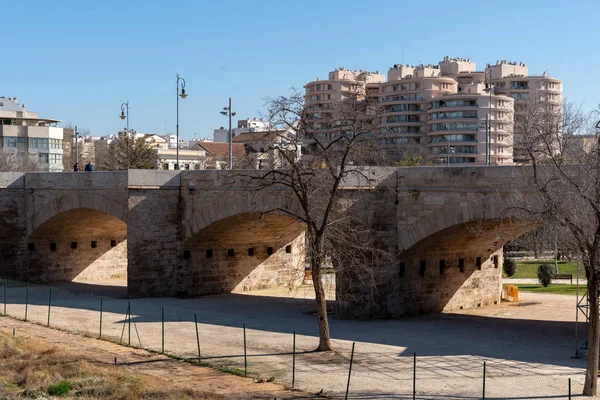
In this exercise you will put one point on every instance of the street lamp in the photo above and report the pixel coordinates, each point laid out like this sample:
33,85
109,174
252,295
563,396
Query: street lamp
488,120
228,113
449,150
125,115
183,95
76,133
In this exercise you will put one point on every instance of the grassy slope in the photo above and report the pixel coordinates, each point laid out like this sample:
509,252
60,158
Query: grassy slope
29,368
528,269
557,289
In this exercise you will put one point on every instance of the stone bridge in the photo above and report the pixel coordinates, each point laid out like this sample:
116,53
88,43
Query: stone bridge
190,233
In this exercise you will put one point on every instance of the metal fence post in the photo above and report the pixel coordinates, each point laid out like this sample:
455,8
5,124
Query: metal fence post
483,397
197,337
350,371
26,301
129,323
49,304
5,284
414,376
294,361
245,353
162,310
100,333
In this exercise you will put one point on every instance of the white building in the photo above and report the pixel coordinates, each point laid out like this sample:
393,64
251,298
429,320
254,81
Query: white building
23,132
248,125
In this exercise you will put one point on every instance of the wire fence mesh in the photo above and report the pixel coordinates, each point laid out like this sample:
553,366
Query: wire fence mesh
378,371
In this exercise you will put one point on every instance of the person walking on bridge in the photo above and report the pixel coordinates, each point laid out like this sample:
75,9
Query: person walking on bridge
76,167
89,167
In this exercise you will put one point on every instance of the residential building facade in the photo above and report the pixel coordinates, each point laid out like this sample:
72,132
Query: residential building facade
248,125
447,113
25,133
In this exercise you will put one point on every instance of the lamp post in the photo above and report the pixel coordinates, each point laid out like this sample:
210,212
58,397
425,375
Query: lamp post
183,95
125,115
488,121
449,150
76,133
228,113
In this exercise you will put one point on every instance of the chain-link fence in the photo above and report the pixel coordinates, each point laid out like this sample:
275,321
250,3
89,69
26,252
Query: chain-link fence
361,370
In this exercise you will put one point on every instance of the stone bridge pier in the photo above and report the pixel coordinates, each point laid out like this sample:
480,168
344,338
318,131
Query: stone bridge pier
192,233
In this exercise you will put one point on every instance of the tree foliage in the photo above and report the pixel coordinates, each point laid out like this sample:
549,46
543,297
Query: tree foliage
545,273
129,151
509,267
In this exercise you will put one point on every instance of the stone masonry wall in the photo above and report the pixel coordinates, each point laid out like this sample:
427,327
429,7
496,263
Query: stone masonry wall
13,222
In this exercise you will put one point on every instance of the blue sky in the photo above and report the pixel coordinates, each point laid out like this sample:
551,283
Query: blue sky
79,60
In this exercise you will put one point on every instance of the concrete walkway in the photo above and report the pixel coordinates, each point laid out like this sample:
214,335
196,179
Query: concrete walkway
525,358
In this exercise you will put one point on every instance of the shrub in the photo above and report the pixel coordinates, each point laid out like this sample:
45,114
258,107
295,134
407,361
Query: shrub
509,267
60,389
545,274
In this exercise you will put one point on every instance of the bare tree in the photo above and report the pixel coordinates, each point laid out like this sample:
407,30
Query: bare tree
131,151
569,194
19,162
336,140
69,146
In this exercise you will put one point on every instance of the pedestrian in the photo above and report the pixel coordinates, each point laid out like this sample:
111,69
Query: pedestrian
76,167
89,167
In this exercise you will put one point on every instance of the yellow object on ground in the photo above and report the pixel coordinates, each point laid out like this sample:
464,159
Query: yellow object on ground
511,293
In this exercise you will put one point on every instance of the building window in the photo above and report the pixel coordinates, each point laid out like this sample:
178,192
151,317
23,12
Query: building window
44,158
38,143
55,158
329,87
166,166
56,144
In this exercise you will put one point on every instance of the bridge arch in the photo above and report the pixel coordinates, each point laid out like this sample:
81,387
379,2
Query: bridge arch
76,200
201,214
452,258
78,244
243,252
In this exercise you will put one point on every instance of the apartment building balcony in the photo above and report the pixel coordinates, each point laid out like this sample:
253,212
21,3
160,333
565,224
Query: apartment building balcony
393,98
437,127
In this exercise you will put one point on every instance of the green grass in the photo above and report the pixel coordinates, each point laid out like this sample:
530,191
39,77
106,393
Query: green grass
60,389
528,269
233,371
556,289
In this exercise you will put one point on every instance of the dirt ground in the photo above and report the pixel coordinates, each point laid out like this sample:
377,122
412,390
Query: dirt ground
132,361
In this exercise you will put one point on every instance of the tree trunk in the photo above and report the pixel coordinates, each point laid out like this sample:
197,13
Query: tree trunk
593,341
324,338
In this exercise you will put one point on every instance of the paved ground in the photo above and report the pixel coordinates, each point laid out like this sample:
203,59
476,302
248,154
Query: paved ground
527,348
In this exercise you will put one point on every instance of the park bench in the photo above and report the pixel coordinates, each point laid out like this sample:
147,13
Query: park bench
564,276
